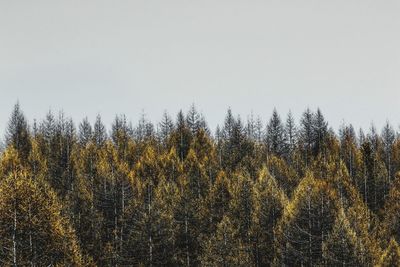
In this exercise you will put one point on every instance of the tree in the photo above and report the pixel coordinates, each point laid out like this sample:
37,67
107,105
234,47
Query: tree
275,135
269,202
241,206
216,204
306,222
234,144
341,248
224,248
193,119
391,256
320,132
391,220
150,234
306,135
374,186
290,133
145,130
181,137
388,139
348,148
85,132
86,201
17,133
166,128
32,228
99,132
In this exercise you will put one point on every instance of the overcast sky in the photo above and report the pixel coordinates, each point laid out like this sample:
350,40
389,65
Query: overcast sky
110,57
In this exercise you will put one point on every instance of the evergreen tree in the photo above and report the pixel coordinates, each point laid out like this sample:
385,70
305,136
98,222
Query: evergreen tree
193,119
320,132
17,133
182,136
341,247
275,137
388,139
306,222
32,228
290,133
224,248
99,132
269,202
166,127
306,135
85,132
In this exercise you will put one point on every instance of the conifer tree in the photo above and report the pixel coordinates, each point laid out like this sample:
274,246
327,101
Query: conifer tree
85,132
269,202
182,136
166,127
241,207
306,135
151,231
290,133
391,256
320,132
32,228
341,248
224,248
193,120
306,222
17,133
275,137
99,132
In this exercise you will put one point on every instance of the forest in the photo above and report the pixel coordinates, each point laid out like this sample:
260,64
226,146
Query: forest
176,193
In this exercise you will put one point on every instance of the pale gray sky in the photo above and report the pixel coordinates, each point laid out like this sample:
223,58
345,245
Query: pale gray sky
110,57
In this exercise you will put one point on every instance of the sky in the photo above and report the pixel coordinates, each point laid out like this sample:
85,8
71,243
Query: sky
111,57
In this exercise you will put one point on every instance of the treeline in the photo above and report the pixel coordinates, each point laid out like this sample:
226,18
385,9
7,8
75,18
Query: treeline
174,194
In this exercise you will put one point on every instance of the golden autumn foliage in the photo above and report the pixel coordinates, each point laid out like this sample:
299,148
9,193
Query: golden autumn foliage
181,196
32,228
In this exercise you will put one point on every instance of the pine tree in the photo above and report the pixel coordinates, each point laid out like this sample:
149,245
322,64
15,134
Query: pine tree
17,133
181,137
99,132
306,222
85,132
269,202
374,184
341,248
275,137
193,119
151,230
224,248
388,139
216,204
290,133
166,127
32,228
320,132
348,142
306,135
241,207
391,221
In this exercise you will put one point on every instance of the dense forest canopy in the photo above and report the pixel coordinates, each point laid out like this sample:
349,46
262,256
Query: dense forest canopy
175,194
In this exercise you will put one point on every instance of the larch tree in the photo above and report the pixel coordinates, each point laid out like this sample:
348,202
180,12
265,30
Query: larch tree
306,222
32,228
269,202
275,137
224,248
18,134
